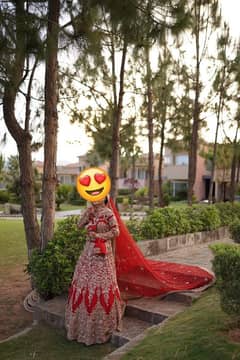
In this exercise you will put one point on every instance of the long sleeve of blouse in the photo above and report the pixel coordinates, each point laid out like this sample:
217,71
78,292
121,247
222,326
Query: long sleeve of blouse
113,228
84,218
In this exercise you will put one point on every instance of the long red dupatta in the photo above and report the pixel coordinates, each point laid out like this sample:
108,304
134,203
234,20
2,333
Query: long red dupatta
140,276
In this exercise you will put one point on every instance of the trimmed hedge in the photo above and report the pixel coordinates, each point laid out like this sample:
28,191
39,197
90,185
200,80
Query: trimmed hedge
171,221
228,212
226,266
234,229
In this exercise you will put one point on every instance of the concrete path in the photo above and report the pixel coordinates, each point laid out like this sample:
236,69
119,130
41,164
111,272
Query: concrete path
199,255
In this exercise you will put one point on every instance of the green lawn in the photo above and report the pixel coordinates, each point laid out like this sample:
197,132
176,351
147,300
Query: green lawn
66,207
13,250
200,333
45,343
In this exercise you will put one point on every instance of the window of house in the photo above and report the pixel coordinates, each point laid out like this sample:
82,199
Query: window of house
181,159
141,174
179,189
167,160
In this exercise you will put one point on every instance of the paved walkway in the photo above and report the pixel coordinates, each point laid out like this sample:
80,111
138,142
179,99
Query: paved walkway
192,255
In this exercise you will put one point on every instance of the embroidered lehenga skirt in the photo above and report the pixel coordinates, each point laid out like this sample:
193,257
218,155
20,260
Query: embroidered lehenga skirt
94,308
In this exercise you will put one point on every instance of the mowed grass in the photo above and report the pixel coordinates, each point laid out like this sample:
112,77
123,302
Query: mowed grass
13,248
199,333
45,343
67,207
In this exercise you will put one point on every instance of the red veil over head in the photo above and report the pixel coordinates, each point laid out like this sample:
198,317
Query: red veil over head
140,276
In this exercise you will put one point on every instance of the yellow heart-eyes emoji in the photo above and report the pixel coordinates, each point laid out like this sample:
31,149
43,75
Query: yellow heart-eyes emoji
93,184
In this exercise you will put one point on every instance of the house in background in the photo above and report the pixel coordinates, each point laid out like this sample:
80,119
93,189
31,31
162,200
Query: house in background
140,177
175,170
67,174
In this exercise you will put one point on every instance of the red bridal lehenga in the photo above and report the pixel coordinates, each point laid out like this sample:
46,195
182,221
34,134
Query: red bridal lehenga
95,308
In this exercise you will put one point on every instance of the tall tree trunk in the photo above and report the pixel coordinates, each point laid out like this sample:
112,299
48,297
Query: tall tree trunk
238,171
234,167
50,125
219,110
114,163
22,137
210,197
192,165
160,167
150,132
133,179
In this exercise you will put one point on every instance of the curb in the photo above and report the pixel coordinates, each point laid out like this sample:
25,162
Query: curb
20,333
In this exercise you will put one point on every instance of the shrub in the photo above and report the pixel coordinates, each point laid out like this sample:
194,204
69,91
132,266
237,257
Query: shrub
164,222
52,270
175,221
141,192
120,199
234,229
124,192
170,221
4,196
62,194
226,266
203,218
74,198
152,227
134,226
228,212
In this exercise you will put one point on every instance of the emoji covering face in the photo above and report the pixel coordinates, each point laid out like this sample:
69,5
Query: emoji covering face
93,184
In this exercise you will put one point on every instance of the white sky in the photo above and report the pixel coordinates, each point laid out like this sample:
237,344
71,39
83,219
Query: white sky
72,140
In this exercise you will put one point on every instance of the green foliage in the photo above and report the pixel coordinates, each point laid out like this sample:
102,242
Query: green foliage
4,196
234,229
74,198
226,266
165,222
62,194
170,221
142,192
228,212
134,226
13,179
124,192
52,270
125,201
203,217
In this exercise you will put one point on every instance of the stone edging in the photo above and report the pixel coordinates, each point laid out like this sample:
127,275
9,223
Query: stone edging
159,246
20,333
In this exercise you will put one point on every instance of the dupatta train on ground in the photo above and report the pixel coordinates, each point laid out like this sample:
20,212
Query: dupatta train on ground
139,276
